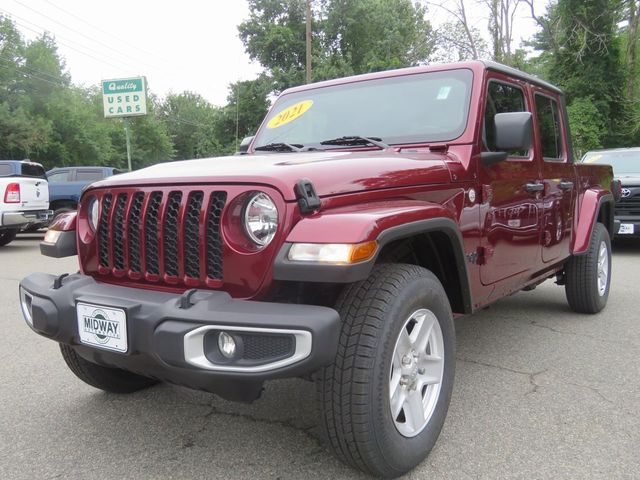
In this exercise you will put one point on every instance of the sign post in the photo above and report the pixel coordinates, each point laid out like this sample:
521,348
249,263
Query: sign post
124,98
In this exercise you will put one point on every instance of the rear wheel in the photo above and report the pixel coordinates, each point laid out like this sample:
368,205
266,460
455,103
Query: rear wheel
588,276
7,236
384,399
111,380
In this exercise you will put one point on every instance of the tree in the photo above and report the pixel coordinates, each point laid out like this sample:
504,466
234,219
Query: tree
187,116
581,51
349,37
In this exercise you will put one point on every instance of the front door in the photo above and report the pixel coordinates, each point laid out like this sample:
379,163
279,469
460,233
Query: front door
511,193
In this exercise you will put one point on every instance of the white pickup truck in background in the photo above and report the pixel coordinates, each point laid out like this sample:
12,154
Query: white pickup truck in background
24,198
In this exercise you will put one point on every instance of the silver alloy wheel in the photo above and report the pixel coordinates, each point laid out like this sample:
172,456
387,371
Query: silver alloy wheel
416,373
603,268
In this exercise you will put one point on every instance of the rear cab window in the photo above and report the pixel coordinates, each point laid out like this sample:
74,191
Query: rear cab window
33,170
549,128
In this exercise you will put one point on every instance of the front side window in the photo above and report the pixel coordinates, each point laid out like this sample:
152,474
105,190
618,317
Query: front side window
549,128
425,107
89,175
57,177
501,98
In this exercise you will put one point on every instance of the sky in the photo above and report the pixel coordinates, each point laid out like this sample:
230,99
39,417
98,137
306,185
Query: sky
180,45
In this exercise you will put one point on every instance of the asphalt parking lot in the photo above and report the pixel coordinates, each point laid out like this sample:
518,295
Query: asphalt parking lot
540,392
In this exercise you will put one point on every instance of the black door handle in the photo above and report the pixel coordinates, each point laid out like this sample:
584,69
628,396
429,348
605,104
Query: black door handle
534,187
565,185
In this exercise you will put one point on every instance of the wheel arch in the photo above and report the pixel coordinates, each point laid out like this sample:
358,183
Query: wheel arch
435,243
597,205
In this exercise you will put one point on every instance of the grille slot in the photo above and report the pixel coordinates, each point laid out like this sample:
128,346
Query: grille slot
118,232
133,231
191,235
214,239
149,232
103,231
170,238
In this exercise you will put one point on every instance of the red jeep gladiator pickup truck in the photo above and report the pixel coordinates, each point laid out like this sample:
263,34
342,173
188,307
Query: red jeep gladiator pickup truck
367,213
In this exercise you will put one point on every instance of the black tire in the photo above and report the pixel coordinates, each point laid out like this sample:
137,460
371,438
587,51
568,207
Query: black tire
353,392
581,275
111,380
7,236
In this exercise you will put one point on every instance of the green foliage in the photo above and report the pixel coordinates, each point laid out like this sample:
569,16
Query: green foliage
586,124
349,37
580,41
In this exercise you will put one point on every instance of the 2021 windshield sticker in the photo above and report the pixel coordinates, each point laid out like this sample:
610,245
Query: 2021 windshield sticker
290,114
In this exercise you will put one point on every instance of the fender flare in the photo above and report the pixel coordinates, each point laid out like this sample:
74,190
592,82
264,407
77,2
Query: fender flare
285,269
592,202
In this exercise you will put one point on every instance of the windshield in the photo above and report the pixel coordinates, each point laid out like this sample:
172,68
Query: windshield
419,108
623,162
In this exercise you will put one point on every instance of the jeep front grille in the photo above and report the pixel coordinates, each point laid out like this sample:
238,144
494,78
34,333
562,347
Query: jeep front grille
171,236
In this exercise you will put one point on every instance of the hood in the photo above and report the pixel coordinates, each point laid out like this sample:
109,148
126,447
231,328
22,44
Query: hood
331,173
629,179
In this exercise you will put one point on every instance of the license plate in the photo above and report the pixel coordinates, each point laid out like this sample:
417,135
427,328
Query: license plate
102,327
626,229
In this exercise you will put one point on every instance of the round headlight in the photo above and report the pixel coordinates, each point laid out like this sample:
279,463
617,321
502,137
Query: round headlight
93,212
260,219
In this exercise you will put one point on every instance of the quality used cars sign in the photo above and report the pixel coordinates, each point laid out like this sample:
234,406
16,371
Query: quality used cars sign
124,97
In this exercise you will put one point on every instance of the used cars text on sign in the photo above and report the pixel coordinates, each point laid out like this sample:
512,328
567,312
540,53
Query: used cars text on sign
124,97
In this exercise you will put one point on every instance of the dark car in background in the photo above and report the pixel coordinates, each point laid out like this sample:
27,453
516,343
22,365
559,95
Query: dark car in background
626,168
66,185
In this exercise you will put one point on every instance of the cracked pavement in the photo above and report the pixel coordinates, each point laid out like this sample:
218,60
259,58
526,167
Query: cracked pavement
540,393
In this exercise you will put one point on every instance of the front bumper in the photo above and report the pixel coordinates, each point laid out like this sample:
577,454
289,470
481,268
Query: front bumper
25,218
625,227
167,332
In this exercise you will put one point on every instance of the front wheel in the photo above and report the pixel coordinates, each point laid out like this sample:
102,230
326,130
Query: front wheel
385,397
588,276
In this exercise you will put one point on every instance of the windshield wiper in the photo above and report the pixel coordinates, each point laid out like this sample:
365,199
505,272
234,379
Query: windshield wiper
353,140
280,147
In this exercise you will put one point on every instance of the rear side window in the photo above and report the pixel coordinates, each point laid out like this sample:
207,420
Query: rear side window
89,175
5,170
501,98
549,127
33,170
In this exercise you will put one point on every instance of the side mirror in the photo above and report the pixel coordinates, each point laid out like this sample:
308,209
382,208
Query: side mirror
513,131
244,145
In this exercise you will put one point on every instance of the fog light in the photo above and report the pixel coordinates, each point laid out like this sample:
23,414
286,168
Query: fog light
227,345
25,304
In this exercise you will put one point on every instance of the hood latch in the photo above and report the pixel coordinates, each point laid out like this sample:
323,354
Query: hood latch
308,199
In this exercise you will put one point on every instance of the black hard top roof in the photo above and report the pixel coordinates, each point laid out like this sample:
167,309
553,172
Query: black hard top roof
499,67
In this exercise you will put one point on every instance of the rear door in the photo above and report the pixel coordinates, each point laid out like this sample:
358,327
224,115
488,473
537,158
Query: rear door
558,173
